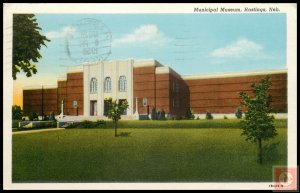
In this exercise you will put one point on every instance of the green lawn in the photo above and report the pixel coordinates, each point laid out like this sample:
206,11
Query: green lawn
146,155
202,123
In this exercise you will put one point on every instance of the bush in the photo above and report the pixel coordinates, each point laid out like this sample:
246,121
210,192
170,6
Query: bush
238,112
16,112
15,123
225,117
38,125
46,118
47,124
153,114
208,115
189,114
198,118
33,116
178,117
162,115
52,117
88,124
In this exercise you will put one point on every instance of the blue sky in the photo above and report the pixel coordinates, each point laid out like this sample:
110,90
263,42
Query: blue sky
189,43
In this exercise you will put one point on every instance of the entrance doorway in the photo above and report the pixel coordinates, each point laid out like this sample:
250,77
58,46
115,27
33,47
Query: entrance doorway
93,108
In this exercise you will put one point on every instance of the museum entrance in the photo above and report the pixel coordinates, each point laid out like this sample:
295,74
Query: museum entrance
93,108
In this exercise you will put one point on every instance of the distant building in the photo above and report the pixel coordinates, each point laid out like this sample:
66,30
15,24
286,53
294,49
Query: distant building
85,89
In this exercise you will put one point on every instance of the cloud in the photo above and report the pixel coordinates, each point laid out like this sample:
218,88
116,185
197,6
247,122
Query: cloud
238,49
143,34
67,31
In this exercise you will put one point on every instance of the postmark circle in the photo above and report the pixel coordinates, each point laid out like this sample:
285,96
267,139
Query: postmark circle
88,40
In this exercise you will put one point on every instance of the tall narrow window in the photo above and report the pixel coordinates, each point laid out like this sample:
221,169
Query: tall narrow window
93,85
107,84
122,84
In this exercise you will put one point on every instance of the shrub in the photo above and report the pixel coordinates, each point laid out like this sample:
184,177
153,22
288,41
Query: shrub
15,123
38,125
87,124
33,116
47,124
225,117
52,117
178,117
16,112
153,114
238,112
163,115
198,118
208,115
189,114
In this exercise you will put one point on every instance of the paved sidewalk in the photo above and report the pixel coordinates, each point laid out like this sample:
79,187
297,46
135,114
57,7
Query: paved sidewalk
36,131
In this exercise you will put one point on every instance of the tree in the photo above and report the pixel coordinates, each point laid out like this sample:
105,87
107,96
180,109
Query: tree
238,112
116,109
189,114
208,115
16,112
27,41
258,125
52,117
162,115
33,116
153,114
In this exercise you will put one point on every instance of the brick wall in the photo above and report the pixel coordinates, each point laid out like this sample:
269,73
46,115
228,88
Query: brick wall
33,100
61,95
163,92
74,92
221,95
179,95
144,86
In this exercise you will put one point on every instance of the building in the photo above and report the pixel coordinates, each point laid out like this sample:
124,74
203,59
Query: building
145,84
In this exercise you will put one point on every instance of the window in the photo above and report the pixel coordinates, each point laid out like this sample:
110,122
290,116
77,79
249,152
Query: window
93,85
122,84
107,84
144,101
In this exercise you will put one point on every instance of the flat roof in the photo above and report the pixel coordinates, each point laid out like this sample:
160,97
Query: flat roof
234,74
39,87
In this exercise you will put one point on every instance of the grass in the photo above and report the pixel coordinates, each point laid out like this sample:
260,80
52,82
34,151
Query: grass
141,155
172,124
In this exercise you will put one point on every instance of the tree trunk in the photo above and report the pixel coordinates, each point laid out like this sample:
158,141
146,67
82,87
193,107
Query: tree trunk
116,135
260,151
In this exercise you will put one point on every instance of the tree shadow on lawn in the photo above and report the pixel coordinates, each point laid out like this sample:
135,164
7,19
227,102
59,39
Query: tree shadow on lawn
271,153
124,134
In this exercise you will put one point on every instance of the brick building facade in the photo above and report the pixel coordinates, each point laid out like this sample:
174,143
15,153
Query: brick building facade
146,84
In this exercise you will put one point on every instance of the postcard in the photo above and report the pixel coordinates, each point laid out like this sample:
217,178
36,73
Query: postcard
150,96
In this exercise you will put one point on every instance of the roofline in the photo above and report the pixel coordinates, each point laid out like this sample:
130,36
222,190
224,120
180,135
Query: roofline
166,70
75,69
39,87
146,63
234,74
